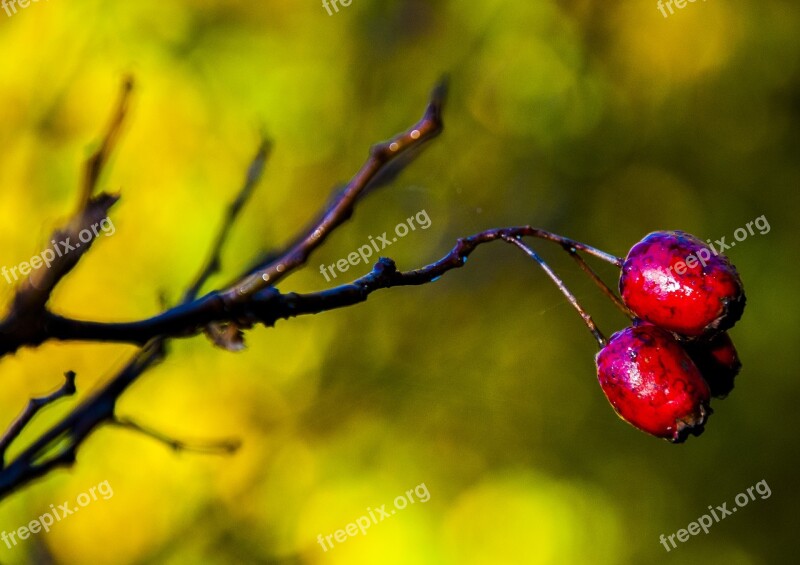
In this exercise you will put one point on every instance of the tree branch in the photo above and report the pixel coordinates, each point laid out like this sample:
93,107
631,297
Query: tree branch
268,305
212,266
24,323
34,462
223,447
222,314
98,160
33,407
381,157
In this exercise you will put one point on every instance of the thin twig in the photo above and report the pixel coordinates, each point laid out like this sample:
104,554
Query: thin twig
219,447
568,244
96,163
68,434
381,157
99,408
33,407
598,281
601,340
42,325
28,307
254,174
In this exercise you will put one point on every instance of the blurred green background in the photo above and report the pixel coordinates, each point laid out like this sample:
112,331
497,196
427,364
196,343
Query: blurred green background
600,121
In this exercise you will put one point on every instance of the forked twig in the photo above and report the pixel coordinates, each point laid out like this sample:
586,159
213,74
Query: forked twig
224,314
601,339
218,447
33,407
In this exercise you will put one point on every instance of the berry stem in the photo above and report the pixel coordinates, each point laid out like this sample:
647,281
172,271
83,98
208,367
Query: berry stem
598,335
598,281
571,244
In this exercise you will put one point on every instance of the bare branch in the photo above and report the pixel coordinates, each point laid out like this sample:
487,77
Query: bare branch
254,174
273,306
68,434
27,314
33,407
214,447
268,305
381,157
188,319
223,314
96,163
99,409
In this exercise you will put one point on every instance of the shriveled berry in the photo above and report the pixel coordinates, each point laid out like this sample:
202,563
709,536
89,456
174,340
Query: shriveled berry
718,362
673,280
653,384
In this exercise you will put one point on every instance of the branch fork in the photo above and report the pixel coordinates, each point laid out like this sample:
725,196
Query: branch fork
223,315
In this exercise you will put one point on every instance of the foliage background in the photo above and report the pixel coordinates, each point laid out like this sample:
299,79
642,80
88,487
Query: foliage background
602,121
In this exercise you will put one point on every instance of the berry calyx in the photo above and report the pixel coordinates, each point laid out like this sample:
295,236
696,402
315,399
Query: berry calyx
718,362
653,384
673,280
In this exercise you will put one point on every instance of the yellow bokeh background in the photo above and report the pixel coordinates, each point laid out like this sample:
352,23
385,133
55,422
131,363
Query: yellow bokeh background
601,121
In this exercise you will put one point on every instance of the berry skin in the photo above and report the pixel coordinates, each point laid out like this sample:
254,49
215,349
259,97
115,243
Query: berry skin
718,362
673,280
653,384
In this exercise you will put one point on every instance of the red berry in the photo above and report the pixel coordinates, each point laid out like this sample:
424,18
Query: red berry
673,280
653,384
718,362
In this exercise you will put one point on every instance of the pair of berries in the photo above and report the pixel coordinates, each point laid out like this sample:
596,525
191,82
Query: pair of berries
660,373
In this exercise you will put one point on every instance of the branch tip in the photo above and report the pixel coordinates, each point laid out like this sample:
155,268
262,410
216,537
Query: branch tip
34,406
212,447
